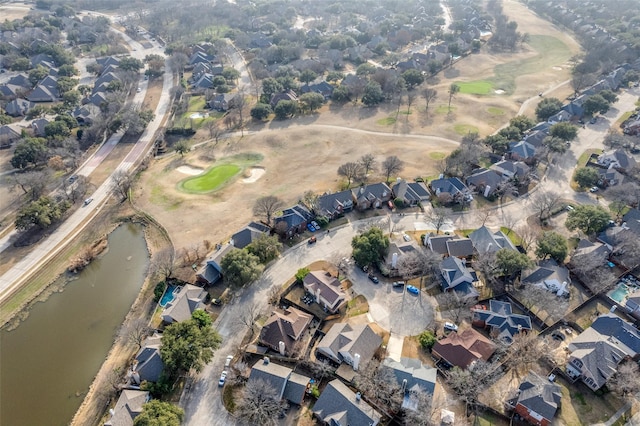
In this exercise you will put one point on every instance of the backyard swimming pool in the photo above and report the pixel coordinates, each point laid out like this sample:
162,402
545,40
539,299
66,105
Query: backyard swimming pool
169,295
626,285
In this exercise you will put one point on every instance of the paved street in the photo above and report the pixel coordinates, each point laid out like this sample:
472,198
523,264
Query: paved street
401,313
45,250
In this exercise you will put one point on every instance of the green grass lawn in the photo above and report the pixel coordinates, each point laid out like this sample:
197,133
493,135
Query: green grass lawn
211,180
444,109
197,103
437,155
515,238
495,111
480,87
551,52
463,129
387,121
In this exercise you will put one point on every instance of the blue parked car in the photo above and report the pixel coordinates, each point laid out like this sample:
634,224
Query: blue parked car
413,290
310,227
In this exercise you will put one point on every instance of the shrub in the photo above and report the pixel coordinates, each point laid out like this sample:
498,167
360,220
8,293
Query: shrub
159,291
302,272
398,202
427,339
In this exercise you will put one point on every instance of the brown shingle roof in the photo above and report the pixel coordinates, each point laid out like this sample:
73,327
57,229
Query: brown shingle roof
461,349
284,326
329,286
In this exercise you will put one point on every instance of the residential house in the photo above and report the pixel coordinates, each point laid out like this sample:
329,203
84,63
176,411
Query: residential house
575,107
10,91
18,107
511,169
322,87
98,99
597,351
486,241
632,304
451,190
288,385
501,320
334,205
259,41
484,181
521,151
351,344
538,400
293,220
42,94
85,114
463,348
188,299
340,406
38,126
411,193
105,79
631,221
108,60
283,330
549,275
283,96
609,177
211,272
438,243
371,196
632,127
536,137
248,234
617,159
148,364
204,81
128,407
21,80
457,276
326,290
222,101
8,136
200,57
412,375
460,247
559,117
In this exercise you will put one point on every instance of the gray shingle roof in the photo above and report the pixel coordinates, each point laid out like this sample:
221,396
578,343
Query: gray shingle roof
129,405
502,320
295,388
273,374
486,241
188,299
343,339
334,204
539,395
414,372
339,403
248,234
150,363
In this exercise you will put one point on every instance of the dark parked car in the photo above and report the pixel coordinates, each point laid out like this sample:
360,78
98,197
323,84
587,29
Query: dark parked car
312,240
374,279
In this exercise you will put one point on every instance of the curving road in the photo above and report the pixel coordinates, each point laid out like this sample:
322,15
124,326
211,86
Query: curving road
11,280
396,311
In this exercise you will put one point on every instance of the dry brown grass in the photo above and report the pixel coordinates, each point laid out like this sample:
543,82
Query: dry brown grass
14,11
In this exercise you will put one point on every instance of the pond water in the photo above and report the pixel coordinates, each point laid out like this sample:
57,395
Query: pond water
49,361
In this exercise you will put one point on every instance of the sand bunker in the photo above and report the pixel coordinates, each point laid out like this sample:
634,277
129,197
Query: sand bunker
498,92
255,173
188,170
557,68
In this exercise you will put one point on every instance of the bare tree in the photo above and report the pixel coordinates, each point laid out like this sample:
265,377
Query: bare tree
627,247
455,305
473,381
545,304
351,171
164,262
238,373
485,262
260,404
320,369
483,214
248,317
392,165
419,263
267,206
122,183
411,97
429,95
421,403
32,184
526,349
528,235
437,217
240,103
544,202
177,61
626,381
310,200
137,332
368,162
215,131
379,384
